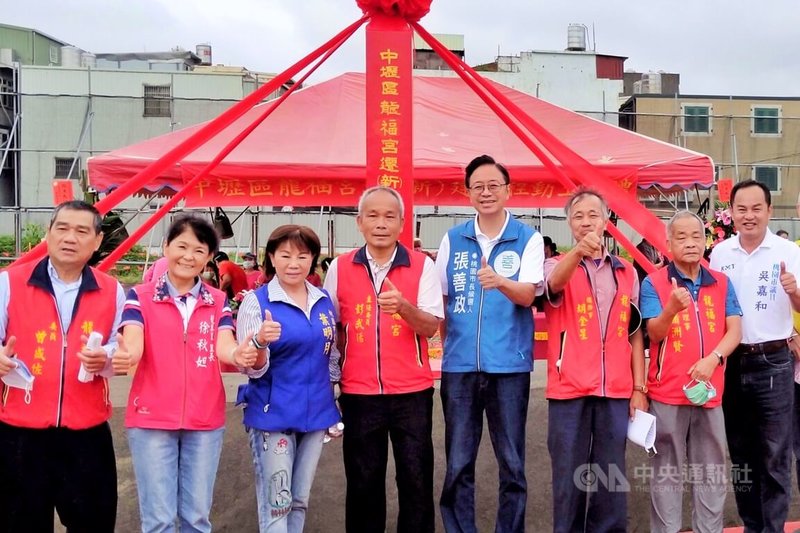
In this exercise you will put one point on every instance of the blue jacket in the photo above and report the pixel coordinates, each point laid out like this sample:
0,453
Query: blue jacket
295,393
486,332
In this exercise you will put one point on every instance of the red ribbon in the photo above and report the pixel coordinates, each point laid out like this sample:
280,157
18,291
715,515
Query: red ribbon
411,10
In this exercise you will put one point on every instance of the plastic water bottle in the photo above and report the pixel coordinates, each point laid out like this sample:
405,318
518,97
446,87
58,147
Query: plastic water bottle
332,432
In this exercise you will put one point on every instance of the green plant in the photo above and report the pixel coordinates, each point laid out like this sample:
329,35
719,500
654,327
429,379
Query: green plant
32,234
7,246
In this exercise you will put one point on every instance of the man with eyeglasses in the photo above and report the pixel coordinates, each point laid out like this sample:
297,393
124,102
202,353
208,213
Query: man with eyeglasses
490,268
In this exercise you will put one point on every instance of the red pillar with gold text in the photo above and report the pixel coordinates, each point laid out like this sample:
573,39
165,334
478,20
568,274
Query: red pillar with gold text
389,110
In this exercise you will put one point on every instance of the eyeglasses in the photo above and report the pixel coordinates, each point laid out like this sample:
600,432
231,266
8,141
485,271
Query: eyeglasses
491,187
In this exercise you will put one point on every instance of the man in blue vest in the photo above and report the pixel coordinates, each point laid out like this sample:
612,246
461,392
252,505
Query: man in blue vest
490,268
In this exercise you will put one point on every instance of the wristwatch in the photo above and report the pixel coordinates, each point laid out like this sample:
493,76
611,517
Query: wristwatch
640,388
258,345
720,357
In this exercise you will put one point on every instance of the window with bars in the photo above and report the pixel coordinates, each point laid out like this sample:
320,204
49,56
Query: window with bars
769,176
766,120
157,101
697,119
63,165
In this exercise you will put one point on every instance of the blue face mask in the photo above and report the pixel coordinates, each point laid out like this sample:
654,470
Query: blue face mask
20,378
700,392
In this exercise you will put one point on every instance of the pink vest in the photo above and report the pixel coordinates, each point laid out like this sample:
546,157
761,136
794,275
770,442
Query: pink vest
177,384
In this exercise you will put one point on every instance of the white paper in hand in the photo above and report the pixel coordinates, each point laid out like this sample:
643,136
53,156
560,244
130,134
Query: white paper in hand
94,343
642,431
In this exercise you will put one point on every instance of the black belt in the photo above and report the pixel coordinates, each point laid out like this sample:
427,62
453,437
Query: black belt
761,347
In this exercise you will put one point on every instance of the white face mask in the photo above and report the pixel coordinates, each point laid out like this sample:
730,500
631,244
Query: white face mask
208,275
248,264
20,378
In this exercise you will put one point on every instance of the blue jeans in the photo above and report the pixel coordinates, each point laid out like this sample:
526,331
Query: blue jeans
759,404
285,465
586,439
175,474
504,397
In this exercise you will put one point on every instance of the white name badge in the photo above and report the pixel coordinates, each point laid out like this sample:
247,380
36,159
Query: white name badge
507,263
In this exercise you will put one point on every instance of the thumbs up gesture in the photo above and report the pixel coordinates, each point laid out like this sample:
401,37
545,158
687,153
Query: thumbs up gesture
94,361
269,331
245,355
7,364
679,299
390,300
487,277
788,281
121,362
590,245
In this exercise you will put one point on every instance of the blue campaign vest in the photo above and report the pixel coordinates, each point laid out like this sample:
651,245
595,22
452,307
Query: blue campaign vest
295,393
486,332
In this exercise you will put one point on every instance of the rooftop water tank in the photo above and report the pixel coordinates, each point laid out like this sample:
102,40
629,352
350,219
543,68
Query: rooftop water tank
651,83
70,57
576,37
204,53
89,60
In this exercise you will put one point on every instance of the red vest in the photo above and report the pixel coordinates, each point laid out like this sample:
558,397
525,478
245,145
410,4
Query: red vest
382,354
57,398
580,360
694,332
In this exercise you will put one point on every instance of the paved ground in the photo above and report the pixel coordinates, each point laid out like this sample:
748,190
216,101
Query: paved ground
234,502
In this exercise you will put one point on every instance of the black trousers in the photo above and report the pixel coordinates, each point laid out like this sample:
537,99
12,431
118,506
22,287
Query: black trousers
71,471
369,423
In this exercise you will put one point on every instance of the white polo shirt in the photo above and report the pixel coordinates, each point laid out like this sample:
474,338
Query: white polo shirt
766,308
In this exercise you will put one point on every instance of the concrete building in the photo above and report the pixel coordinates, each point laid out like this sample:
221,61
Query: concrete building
575,78
746,136
61,105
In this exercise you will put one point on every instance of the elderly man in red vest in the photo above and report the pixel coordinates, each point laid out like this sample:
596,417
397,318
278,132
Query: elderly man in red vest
595,372
56,441
694,322
389,302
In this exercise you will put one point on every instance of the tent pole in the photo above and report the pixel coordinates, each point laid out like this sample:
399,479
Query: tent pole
254,219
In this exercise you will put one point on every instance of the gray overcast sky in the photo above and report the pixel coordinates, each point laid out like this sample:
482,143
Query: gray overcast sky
737,47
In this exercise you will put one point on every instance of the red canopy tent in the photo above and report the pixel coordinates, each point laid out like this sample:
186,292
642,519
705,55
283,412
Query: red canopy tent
565,150
311,151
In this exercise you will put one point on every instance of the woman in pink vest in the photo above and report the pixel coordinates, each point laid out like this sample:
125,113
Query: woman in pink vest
178,329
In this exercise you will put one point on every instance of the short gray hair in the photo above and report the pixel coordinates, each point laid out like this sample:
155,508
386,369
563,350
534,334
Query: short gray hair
372,190
681,215
582,193
79,205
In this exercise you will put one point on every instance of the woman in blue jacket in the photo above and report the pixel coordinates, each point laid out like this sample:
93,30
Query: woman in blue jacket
288,403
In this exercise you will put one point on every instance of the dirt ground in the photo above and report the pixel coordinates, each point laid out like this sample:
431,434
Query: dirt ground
234,501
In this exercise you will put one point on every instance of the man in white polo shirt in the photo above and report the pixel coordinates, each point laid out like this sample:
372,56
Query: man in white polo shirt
759,378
